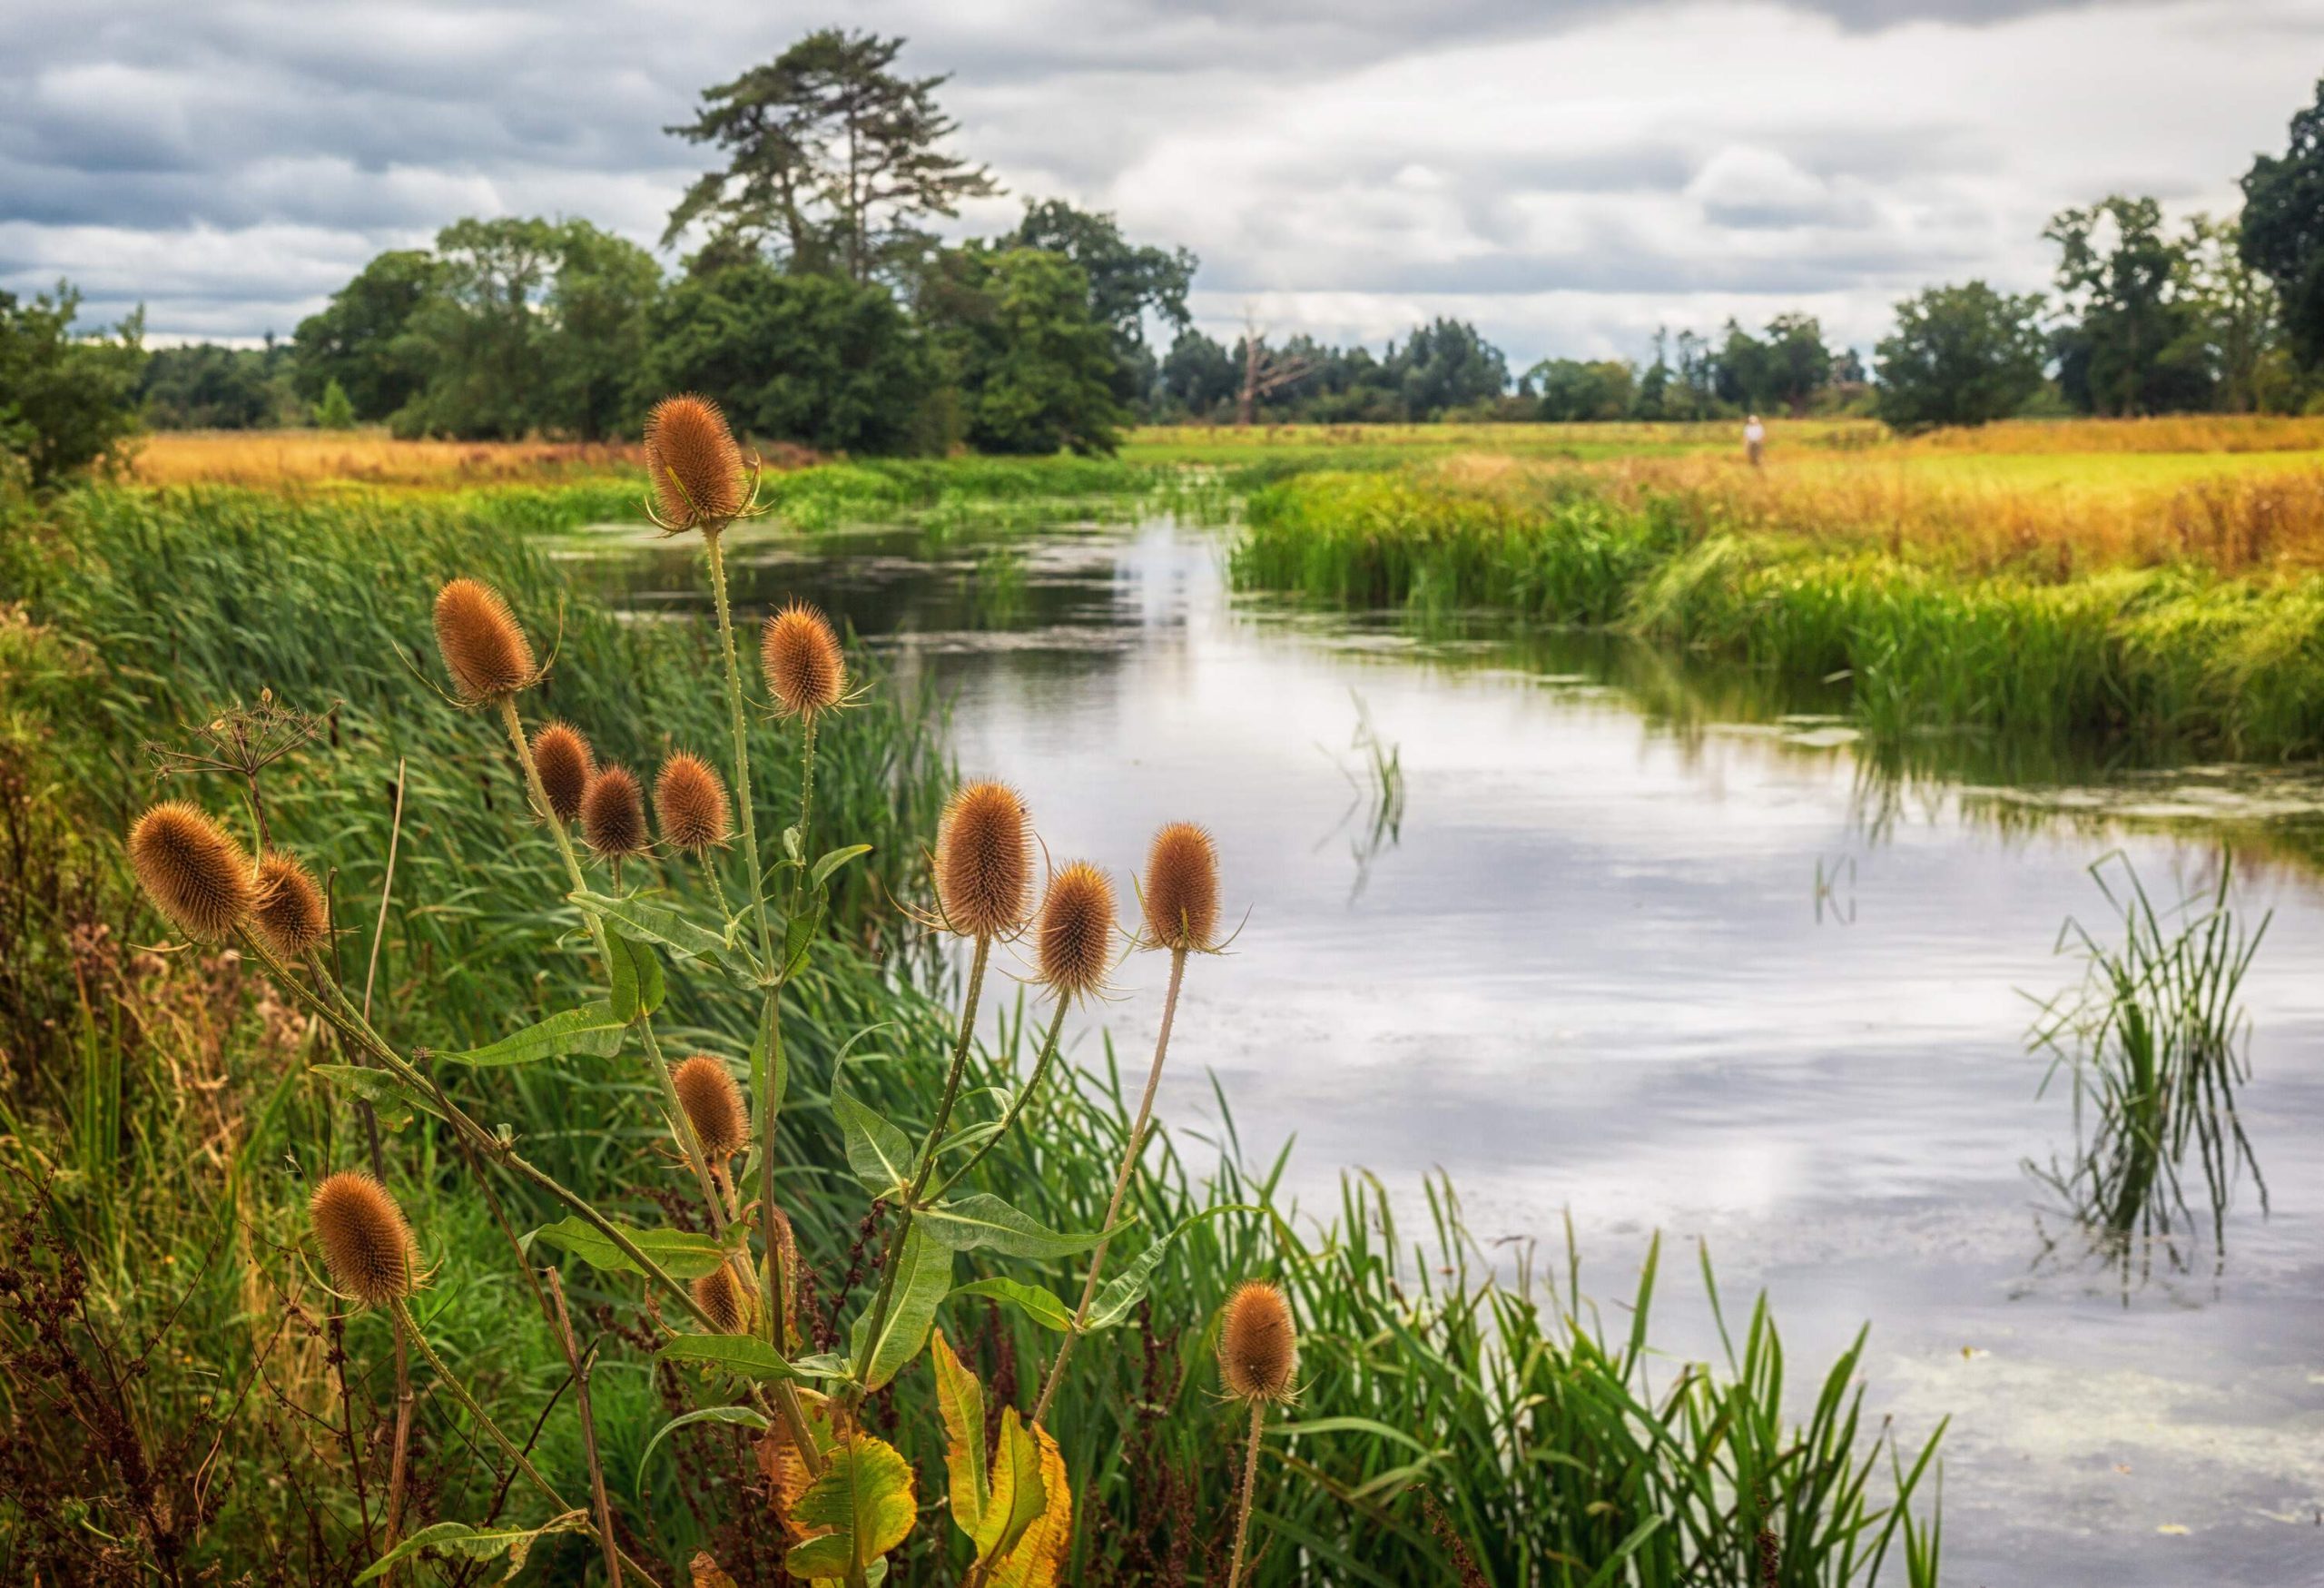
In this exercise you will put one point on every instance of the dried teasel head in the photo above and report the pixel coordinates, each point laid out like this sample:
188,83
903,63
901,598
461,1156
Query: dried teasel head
485,652
290,912
613,813
194,874
367,1245
714,1106
1181,891
1259,1351
1074,932
563,758
695,467
690,798
984,861
717,1294
805,669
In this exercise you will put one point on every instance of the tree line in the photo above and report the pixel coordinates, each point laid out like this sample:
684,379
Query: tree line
818,306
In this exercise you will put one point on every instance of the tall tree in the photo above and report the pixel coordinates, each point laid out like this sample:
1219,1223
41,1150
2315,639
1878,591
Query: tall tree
356,340
1033,366
1960,356
2283,229
1126,282
1199,379
1446,364
832,162
2127,350
2238,316
66,400
597,305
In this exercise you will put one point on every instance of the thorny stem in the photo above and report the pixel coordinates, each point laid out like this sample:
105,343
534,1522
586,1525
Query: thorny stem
1016,1104
1121,1188
1250,1480
889,1259
399,1459
741,726
777,1303
581,1368
508,1447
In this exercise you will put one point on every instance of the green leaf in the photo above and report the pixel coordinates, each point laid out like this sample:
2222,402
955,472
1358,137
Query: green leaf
984,1219
791,846
1364,1426
1033,1301
743,1415
880,1155
799,938
1119,1294
681,1255
457,1538
637,971
593,1028
924,1275
384,1089
862,1507
834,859
657,923
744,1355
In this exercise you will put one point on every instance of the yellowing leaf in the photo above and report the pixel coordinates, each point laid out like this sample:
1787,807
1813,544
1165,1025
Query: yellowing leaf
858,1510
779,1459
960,1398
705,1571
1038,1558
1019,1495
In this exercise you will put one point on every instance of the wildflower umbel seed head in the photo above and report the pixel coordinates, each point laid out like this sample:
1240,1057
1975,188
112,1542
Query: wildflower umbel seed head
289,914
717,1294
195,874
805,669
1258,1352
367,1245
696,468
690,798
485,652
613,813
561,756
1181,893
714,1106
1075,933
984,861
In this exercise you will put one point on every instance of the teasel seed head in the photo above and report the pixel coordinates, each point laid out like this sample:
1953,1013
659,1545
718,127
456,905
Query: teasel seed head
1258,1350
690,798
367,1245
696,468
717,1294
714,1106
485,652
563,758
1181,892
1075,930
289,914
805,669
984,861
197,875
613,813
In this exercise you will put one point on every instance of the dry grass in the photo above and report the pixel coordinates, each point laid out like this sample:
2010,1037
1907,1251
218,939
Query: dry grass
2172,433
268,458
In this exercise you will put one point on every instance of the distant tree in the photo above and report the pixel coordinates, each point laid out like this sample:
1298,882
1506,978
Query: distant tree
2239,317
2131,344
358,341
206,387
335,411
1960,356
1034,367
2283,229
1265,372
1798,364
1445,365
832,162
66,400
814,359
1570,390
1126,282
596,307
1199,379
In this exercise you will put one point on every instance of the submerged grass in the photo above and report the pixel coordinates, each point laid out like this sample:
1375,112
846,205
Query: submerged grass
1457,1414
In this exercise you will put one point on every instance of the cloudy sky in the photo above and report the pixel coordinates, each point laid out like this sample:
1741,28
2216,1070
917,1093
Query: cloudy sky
1568,173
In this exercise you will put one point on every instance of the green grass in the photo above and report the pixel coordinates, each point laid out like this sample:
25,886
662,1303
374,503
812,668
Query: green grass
1453,1404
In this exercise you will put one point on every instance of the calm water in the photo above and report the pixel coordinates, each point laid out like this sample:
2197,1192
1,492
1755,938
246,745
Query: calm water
1659,948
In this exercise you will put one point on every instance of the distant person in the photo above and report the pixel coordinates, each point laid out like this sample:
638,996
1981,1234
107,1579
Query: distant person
1755,439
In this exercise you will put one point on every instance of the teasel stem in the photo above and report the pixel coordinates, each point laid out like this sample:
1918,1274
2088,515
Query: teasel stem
928,1152
1121,1188
1250,1480
714,542
508,1447
581,1368
1016,1104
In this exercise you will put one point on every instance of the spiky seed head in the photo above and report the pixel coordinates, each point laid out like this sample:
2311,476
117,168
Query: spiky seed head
194,874
805,669
717,1294
562,756
289,914
485,652
1181,893
984,859
690,798
367,1245
714,1106
1259,1351
1075,930
696,468
613,813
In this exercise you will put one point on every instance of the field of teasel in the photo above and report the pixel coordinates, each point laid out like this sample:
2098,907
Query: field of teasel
656,1216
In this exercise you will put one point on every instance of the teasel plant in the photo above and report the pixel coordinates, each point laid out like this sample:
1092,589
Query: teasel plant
1258,1358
